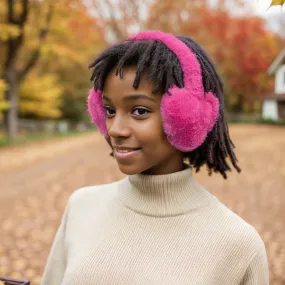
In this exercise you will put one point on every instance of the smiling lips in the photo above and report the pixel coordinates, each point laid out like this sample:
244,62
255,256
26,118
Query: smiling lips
125,152
124,148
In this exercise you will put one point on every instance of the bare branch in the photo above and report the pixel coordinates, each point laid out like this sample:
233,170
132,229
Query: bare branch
23,18
120,16
114,22
36,54
10,13
14,44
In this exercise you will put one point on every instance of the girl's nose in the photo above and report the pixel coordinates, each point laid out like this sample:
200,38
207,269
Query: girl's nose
118,127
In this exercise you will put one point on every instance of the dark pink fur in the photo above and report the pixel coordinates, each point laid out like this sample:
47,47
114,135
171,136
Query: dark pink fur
97,111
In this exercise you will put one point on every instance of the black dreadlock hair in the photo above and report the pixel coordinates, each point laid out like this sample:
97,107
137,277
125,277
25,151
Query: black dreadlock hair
163,68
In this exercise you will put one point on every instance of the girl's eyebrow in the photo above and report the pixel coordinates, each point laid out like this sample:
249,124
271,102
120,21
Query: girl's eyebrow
131,98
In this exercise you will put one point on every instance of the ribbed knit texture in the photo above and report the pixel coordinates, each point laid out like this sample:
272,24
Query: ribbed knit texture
152,230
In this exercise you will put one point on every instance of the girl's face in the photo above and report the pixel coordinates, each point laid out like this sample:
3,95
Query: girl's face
135,127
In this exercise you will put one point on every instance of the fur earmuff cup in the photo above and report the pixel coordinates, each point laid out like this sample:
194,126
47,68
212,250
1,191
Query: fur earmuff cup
97,111
187,119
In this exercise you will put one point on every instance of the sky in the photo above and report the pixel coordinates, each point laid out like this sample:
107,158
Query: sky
261,8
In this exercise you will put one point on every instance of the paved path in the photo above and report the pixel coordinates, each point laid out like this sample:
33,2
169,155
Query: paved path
36,181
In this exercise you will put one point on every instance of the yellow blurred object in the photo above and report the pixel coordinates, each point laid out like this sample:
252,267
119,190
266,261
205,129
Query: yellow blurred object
277,3
41,96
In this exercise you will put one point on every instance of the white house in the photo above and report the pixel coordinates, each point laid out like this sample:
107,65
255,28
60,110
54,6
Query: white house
274,103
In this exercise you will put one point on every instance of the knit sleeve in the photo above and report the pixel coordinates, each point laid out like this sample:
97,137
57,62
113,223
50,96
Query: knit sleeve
257,272
56,261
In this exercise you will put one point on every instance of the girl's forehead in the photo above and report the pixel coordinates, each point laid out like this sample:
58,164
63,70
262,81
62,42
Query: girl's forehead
121,89
126,82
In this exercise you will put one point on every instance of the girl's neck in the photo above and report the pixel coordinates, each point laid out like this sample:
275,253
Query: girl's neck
163,195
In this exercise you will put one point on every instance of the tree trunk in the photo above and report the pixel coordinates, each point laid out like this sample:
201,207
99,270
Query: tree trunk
11,114
240,103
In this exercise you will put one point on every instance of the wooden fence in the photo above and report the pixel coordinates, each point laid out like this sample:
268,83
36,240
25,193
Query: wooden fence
47,126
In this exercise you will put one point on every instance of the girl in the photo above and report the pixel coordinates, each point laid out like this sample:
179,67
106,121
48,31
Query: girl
158,101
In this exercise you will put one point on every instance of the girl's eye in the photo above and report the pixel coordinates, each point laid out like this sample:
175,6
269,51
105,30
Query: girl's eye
109,111
140,111
137,111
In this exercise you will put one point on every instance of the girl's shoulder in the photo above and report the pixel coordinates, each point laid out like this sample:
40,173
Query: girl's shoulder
91,194
239,232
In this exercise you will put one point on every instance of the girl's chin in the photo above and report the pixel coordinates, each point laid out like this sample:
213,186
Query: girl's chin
129,170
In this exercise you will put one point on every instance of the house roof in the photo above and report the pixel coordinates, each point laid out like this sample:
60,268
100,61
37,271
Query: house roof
277,62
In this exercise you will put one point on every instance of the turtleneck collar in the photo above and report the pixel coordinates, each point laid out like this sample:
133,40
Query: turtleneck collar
163,195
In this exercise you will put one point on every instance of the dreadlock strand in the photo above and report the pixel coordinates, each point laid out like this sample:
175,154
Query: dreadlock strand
142,63
127,57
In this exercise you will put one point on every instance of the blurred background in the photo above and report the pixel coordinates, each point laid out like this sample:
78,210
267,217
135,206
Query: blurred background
48,148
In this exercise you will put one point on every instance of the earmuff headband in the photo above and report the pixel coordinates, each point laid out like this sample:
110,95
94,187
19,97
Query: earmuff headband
188,61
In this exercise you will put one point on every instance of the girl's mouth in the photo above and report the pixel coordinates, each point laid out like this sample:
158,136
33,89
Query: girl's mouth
125,153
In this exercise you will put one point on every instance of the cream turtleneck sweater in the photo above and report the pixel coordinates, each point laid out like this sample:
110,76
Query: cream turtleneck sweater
154,230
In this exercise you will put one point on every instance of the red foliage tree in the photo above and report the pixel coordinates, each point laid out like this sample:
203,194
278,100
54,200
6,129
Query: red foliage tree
241,46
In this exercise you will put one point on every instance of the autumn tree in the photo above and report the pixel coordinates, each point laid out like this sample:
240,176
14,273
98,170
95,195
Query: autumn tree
74,40
252,48
15,15
46,47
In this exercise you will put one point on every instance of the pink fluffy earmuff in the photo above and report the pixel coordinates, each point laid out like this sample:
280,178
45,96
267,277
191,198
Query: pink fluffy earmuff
188,114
